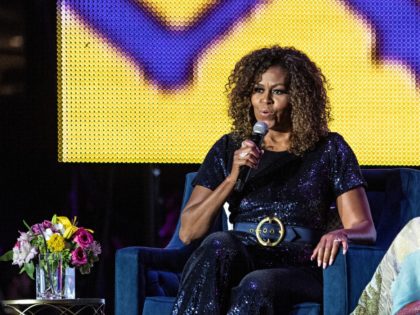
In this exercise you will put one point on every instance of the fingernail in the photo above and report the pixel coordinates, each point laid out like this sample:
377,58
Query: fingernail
319,263
344,251
324,265
330,263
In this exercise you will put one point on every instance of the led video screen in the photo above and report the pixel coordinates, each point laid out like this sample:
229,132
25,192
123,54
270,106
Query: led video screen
144,81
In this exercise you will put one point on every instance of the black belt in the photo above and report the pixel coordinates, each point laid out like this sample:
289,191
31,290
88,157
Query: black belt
270,231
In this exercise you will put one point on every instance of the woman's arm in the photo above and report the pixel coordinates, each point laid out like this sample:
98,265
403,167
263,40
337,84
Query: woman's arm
354,211
204,204
201,209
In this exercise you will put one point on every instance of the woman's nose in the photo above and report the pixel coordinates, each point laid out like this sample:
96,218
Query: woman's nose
267,98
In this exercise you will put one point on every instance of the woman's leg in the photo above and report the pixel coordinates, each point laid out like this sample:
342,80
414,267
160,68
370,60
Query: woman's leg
217,265
275,291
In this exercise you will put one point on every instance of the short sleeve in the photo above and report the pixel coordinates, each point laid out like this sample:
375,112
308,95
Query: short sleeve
214,168
345,170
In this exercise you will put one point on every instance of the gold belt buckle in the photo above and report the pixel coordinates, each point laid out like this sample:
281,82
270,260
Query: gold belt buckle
268,242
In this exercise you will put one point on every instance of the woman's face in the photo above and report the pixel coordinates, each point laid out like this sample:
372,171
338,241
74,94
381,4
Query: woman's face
269,98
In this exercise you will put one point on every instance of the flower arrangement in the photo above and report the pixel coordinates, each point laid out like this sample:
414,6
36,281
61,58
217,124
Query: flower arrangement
60,235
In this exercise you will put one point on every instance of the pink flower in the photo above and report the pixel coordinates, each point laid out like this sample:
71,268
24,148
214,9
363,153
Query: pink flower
95,248
36,228
78,257
83,238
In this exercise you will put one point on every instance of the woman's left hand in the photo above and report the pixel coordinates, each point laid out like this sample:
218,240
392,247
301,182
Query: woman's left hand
327,248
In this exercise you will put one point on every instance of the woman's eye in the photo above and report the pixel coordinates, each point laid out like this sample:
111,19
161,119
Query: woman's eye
279,92
258,90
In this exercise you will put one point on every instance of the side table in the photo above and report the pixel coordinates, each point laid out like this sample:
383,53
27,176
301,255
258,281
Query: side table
71,306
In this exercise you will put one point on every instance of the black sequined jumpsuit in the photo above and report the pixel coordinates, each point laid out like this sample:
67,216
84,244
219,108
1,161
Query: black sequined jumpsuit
230,273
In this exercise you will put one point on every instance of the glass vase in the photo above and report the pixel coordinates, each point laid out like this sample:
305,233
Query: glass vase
53,281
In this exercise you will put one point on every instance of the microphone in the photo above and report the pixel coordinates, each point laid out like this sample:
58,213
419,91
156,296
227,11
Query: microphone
259,130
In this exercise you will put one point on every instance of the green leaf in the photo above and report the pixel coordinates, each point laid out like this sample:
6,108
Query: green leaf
7,256
29,268
54,219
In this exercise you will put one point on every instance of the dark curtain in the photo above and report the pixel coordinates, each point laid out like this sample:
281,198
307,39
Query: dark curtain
116,201
125,204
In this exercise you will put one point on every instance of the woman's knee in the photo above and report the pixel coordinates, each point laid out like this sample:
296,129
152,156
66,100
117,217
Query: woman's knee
283,285
219,241
224,246
257,281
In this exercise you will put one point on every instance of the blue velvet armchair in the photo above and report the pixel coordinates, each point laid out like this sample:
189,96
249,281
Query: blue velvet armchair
147,279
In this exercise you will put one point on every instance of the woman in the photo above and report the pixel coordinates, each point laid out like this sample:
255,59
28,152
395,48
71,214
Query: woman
300,171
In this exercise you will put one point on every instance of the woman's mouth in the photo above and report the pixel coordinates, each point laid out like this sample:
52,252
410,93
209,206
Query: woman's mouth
266,113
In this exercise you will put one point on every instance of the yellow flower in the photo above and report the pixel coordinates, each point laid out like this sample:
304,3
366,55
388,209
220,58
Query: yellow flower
56,243
69,227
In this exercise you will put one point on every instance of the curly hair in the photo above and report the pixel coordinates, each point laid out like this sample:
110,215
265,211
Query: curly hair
306,85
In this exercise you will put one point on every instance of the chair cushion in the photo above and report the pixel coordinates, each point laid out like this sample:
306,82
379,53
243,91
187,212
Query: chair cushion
162,305
162,283
306,309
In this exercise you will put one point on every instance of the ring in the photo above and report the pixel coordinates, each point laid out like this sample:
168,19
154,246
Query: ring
243,154
337,240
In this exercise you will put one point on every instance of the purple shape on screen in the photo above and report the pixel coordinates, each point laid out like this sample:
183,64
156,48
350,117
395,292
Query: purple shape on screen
396,24
167,56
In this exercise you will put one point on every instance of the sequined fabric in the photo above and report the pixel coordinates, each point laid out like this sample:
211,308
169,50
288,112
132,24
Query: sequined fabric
230,273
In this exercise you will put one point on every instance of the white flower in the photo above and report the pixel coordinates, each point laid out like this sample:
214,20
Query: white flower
24,237
59,227
17,259
48,233
23,251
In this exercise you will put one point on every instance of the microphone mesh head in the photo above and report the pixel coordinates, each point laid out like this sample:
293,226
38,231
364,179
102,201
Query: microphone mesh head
260,128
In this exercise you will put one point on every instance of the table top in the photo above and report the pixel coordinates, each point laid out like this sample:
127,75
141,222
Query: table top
91,306
77,301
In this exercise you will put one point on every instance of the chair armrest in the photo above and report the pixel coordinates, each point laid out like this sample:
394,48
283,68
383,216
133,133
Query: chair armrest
346,278
131,265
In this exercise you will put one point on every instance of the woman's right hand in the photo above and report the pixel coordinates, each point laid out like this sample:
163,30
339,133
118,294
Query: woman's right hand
248,154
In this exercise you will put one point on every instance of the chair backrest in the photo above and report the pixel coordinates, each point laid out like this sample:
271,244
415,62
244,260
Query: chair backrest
394,198
175,242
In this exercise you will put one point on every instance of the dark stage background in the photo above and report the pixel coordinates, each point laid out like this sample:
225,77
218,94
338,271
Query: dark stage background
125,204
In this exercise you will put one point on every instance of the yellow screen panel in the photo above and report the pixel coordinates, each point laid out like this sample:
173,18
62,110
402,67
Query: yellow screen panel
143,81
